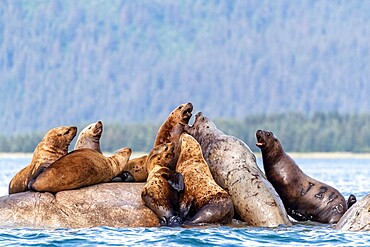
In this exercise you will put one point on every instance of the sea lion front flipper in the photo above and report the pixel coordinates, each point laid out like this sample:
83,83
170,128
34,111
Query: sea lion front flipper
175,179
351,200
39,170
127,177
174,221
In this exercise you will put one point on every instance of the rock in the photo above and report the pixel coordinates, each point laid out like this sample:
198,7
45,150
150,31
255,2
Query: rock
106,204
357,217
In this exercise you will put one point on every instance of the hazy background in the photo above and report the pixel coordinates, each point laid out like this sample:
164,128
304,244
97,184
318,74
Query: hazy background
129,63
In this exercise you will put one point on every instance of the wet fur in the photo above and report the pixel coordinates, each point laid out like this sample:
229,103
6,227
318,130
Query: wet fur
304,197
160,192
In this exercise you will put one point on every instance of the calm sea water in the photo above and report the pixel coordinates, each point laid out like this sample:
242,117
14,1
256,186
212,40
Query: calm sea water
347,175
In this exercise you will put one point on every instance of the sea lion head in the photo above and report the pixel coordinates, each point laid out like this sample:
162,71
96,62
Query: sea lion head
160,155
95,130
90,136
60,137
183,113
200,126
266,139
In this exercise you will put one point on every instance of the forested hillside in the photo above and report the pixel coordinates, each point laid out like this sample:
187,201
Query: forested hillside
132,62
298,132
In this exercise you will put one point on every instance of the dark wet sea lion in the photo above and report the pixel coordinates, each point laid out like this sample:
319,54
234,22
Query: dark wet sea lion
90,136
80,168
304,197
160,192
203,200
53,146
234,168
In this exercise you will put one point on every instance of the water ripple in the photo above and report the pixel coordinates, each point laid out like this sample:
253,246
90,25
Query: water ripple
333,172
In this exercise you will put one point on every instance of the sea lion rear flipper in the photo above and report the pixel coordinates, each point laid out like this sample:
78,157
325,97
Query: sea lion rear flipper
175,179
351,200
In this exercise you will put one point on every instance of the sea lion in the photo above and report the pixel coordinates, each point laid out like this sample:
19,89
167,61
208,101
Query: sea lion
180,114
234,168
80,168
203,200
160,192
53,146
304,197
135,170
90,136
172,128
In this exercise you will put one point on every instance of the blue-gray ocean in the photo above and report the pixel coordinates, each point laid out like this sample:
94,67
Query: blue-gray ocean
348,175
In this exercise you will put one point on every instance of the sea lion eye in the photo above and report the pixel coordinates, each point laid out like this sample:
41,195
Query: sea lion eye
268,134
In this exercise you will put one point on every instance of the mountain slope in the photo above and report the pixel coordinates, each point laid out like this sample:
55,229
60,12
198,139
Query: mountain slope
74,62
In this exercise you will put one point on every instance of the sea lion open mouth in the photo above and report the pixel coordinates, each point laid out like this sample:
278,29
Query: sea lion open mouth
198,117
187,112
261,143
99,128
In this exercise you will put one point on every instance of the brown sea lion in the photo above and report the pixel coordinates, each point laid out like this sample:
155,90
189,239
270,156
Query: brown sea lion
53,146
304,197
172,128
80,168
180,114
160,192
134,171
203,200
90,136
234,168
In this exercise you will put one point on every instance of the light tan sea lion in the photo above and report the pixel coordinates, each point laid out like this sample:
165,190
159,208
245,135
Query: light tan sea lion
160,192
80,168
234,168
203,200
53,146
304,198
90,136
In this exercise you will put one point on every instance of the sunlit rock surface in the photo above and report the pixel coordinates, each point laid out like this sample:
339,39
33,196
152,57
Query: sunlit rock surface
106,204
357,218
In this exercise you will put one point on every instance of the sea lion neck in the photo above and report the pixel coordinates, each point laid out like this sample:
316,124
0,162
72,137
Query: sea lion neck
204,133
272,154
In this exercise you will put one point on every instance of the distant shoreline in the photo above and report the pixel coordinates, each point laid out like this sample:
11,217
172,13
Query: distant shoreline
313,155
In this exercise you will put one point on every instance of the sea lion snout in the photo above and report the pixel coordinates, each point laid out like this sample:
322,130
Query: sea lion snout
98,128
187,112
72,130
261,141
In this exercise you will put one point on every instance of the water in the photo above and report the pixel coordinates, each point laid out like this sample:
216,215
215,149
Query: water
347,175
